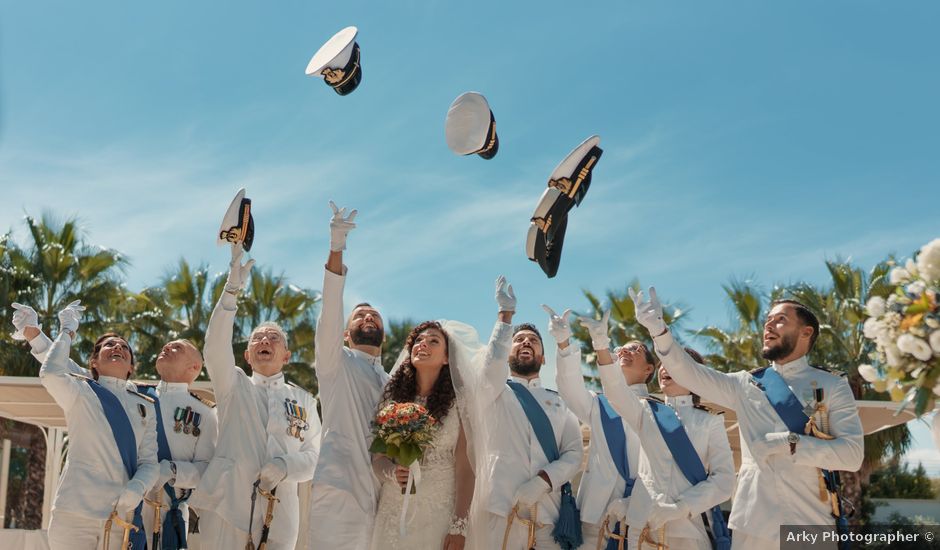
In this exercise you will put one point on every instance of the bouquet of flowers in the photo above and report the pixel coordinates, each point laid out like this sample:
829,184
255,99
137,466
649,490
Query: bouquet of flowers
402,432
905,327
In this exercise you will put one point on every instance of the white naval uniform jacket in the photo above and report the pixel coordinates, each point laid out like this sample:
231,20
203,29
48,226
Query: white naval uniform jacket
351,384
601,483
780,489
253,430
190,453
513,453
94,475
658,469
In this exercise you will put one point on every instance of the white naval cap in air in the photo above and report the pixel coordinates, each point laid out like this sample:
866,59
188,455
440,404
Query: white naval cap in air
567,186
470,127
337,62
238,225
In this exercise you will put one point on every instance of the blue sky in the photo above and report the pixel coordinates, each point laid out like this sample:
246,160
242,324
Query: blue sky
746,139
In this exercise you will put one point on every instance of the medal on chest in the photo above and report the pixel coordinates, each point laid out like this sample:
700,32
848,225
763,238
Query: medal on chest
296,418
186,420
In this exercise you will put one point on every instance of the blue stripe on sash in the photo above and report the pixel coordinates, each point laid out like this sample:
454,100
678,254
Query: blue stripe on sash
127,447
688,461
616,439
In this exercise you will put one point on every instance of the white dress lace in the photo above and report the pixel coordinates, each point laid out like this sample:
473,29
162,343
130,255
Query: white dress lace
431,508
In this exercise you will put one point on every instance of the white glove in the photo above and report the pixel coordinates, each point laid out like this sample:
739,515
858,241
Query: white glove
617,510
237,273
648,313
273,473
558,326
166,474
71,316
598,330
131,497
664,512
24,317
531,491
340,226
773,443
505,297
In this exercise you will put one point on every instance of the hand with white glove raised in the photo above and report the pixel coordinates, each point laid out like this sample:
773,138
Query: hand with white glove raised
340,226
24,318
558,325
237,273
505,297
664,511
273,473
130,498
598,329
70,317
531,491
617,510
649,313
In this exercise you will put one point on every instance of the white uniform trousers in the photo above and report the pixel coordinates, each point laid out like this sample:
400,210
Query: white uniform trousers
591,532
519,535
675,543
69,531
227,536
337,521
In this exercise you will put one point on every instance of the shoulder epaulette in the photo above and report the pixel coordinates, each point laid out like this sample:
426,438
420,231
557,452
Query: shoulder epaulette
709,410
834,372
203,400
652,398
140,395
552,391
291,384
756,371
82,376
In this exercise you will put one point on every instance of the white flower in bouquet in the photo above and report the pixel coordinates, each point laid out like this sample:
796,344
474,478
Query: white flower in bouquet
872,328
868,372
893,355
916,288
935,341
928,261
899,275
912,345
875,306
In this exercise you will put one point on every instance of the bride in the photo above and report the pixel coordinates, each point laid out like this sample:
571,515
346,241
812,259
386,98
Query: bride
438,513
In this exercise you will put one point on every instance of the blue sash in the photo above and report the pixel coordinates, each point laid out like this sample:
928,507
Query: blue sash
790,410
683,452
567,532
127,447
616,438
173,531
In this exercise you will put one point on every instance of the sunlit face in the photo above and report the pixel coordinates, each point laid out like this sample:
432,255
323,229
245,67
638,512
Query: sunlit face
633,363
429,350
525,355
365,327
669,386
267,351
113,358
782,332
179,361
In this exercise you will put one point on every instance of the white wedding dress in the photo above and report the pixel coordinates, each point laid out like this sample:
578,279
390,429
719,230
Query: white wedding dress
431,508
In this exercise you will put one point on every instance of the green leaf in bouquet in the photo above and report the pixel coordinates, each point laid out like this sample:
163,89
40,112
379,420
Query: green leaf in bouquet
378,446
408,454
392,451
924,401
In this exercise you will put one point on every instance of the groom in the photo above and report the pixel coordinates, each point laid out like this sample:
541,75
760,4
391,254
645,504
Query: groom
525,485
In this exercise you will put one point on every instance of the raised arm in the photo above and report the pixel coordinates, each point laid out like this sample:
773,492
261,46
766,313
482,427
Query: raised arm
219,356
330,327
26,322
847,450
54,373
719,485
627,404
496,361
568,376
714,386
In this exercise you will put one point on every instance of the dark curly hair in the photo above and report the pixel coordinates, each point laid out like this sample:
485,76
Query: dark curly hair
403,386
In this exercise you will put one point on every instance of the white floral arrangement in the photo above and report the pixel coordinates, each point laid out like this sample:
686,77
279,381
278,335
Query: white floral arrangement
905,327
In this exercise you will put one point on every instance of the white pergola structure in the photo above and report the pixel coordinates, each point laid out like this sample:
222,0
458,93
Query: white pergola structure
24,399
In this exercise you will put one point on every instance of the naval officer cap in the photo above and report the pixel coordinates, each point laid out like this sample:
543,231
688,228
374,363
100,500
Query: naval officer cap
470,127
337,62
238,225
566,189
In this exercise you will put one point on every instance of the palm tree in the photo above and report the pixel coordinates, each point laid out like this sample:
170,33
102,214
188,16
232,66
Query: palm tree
624,324
396,332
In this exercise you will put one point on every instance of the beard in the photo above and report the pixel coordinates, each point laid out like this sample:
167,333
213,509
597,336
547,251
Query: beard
784,347
371,337
526,367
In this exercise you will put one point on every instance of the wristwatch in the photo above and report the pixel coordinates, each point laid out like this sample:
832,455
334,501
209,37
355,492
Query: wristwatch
793,439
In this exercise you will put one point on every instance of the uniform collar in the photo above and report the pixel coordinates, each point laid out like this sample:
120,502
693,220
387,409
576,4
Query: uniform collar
112,383
792,367
267,381
640,389
170,387
374,360
679,401
531,383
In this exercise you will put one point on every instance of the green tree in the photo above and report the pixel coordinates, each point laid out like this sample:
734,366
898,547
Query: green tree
897,480
739,347
396,332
